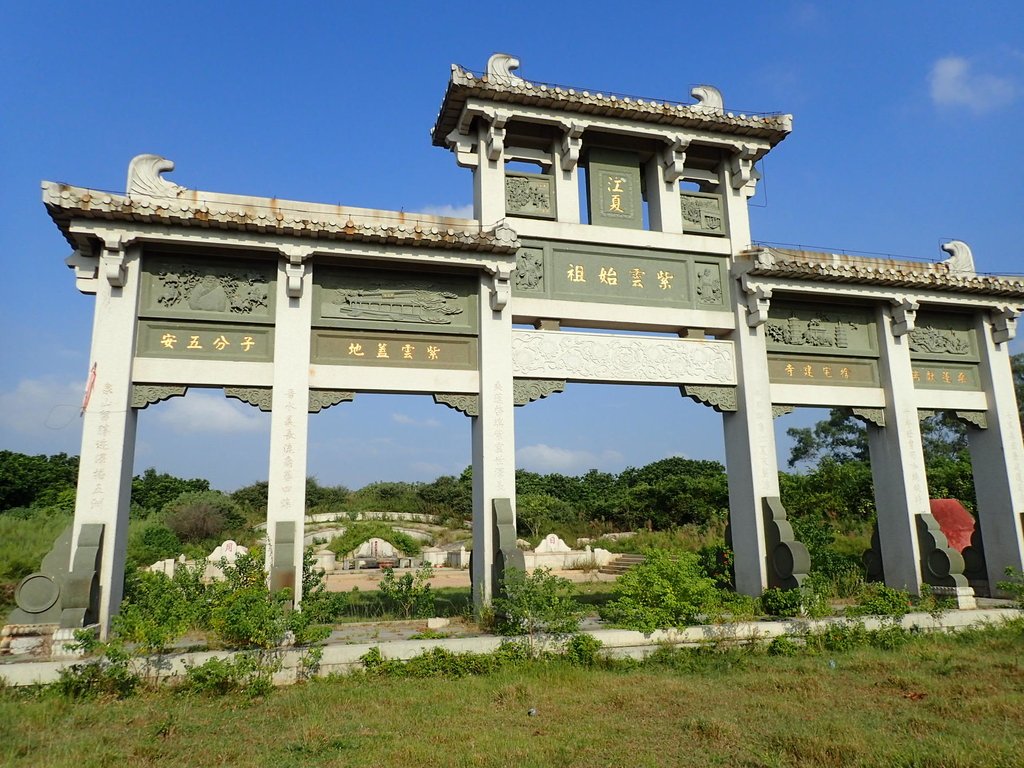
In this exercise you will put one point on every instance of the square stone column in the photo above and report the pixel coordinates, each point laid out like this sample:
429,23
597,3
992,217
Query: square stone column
286,496
566,170
750,455
494,460
489,176
664,209
897,461
109,423
997,460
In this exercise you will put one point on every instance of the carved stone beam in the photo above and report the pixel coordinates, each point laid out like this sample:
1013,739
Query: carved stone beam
904,314
875,416
759,298
144,177
528,390
322,399
261,397
721,399
742,165
466,404
144,395
572,143
464,147
295,268
1004,323
673,158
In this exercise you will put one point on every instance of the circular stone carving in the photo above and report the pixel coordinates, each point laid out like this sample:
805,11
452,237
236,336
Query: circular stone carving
36,593
942,562
790,557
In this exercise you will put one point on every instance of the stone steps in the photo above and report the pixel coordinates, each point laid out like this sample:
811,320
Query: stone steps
621,564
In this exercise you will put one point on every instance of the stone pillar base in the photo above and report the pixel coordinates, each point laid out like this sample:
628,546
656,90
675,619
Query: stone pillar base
963,596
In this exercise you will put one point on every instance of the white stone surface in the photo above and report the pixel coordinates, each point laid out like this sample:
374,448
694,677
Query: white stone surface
552,543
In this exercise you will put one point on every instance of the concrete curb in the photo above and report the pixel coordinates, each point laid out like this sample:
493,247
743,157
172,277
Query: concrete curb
618,643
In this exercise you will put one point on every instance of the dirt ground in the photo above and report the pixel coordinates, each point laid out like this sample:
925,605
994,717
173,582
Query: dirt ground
344,581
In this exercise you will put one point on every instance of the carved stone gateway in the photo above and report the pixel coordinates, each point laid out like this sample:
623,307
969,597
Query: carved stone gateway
293,307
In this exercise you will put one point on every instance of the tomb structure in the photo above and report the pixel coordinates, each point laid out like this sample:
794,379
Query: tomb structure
596,212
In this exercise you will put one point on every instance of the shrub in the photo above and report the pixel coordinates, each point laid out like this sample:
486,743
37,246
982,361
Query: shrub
782,602
110,674
249,672
663,592
716,560
581,650
880,600
248,618
535,604
199,516
356,533
1013,585
782,646
410,594
838,637
155,610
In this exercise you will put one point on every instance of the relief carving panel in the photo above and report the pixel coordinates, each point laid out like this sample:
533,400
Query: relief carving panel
605,357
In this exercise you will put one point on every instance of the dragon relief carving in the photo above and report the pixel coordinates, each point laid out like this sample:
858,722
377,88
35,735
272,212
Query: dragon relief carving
928,338
820,331
430,304
202,290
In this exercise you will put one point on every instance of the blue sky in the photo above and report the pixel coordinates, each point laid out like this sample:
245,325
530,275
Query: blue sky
907,122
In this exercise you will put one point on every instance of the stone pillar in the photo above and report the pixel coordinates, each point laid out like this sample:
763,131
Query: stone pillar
489,173
286,497
494,463
749,432
897,460
109,422
664,211
566,153
997,460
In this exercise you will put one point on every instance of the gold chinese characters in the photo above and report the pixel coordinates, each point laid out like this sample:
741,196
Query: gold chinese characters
389,350
210,340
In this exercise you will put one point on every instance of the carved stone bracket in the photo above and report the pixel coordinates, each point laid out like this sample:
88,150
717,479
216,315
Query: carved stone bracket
295,268
759,299
506,554
941,565
788,559
528,390
145,177
261,397
722,399
904,314
112,260
322,399
782,410
975,419
742,165
466,404
496,134
464,147
1004,324
144,395
572,142
875,416
673,158
501,287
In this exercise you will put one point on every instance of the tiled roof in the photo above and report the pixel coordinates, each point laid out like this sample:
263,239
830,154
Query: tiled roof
464,84
270,215
842,268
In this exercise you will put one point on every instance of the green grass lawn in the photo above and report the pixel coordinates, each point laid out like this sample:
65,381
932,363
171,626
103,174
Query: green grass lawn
940,701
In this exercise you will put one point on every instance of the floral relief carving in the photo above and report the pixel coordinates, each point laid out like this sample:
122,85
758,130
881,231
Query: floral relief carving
144,395
321,399
466,404
527,390
261,397
601,357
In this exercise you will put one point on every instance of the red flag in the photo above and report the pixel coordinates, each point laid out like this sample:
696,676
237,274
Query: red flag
88,389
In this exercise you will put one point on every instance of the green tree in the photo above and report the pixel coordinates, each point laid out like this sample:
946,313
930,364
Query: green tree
36,481
840,437
152,491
